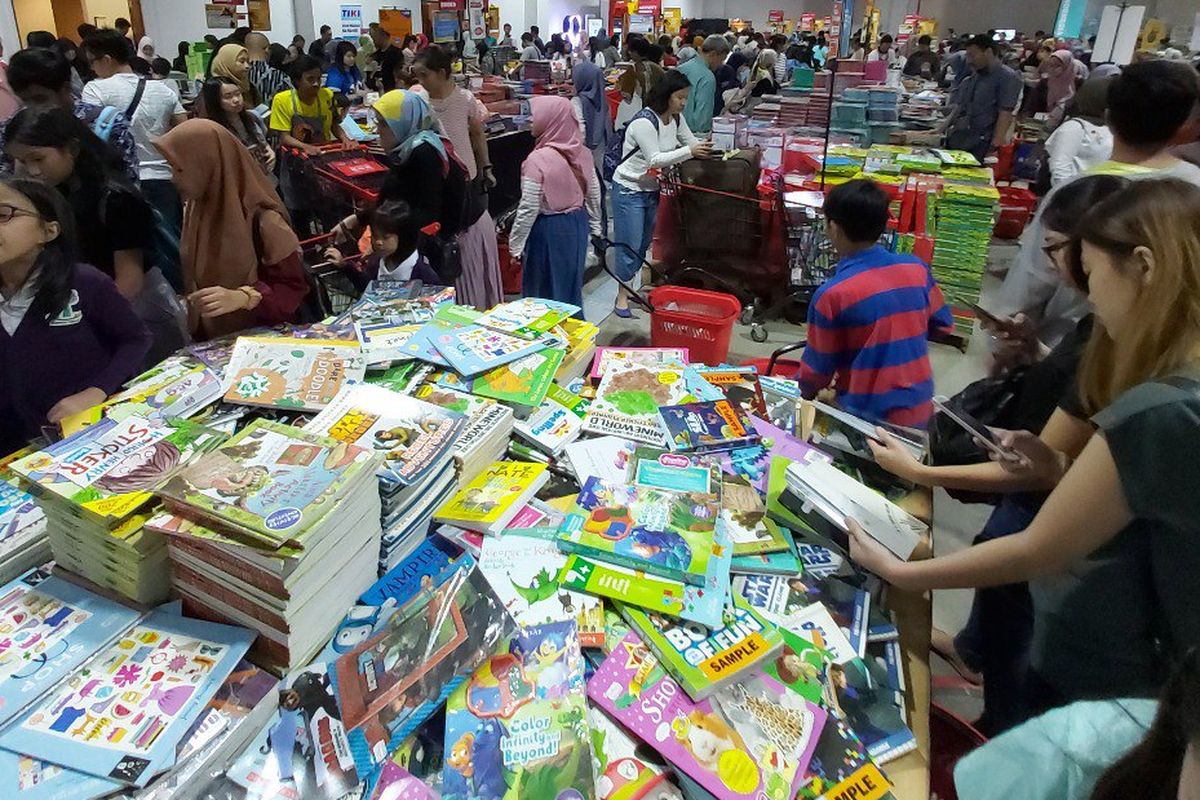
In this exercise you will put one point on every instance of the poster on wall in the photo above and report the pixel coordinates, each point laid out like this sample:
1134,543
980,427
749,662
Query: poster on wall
775,15
641,23
397,22
808,21
475,18
351,22
445,26
219,16
259,12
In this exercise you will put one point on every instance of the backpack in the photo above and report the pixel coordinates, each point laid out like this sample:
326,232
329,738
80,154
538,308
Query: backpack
616,145
103,124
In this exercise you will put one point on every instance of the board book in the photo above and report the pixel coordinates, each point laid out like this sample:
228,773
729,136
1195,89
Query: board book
707,426
412,436
296,374
524,572
693,737
705,660
528,318
518,727
494,497
663,533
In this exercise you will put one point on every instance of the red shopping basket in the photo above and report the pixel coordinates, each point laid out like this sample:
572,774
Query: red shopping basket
1016,208
699,320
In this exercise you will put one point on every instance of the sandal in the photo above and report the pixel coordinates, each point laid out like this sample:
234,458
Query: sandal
942,643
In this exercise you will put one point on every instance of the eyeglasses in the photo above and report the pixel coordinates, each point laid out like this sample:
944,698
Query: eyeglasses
7,212
1051,249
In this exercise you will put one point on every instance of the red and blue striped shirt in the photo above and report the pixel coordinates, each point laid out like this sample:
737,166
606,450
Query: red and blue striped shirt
868,331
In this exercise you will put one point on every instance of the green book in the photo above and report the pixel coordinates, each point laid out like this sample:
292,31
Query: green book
701,660
522,382
801,667
668,534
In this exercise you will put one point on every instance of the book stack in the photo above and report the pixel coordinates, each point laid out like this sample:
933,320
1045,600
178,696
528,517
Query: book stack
581,348
290,373
95,489
485,436
415,439
277,530
23,541
965,215
497,494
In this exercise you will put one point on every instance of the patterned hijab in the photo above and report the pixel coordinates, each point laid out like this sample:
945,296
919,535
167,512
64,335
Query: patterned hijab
408,116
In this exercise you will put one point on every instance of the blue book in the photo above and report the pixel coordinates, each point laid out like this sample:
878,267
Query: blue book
785,562
472,349
707,426
52,626
123,714
28,778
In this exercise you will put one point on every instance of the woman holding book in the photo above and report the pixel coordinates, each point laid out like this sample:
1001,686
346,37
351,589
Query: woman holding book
66,318
241,258
1112,555
559,207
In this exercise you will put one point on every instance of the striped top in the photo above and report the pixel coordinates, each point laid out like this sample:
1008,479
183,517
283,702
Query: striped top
267,81
868,329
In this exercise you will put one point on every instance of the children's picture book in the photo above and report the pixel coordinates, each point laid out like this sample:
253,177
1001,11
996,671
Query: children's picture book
555,423
664,533
122,715
603,457
524,570
704,660
397,783
396,679
782,398
870,708
472,349
700,604
298,374
271,482
842,767
523,382
528,318
452,399
49,626
819,561
779,727
802,666
815,623
782,599
405,377
754,462
518,727
642,356
414,437
24,777
785,562
740,385
172,394
108,470
494,497
302,752
630,395
842,431
693,737
622,771
18,512
383,342
675,472
746,518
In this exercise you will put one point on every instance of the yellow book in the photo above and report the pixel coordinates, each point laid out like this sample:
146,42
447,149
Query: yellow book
489,502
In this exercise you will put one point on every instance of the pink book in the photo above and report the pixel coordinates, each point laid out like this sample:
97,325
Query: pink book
635,690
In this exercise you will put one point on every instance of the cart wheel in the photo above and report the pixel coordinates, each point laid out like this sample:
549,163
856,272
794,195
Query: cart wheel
747,316
758,333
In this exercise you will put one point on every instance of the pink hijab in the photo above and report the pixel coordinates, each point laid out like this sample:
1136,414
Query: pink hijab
1061,87
559,162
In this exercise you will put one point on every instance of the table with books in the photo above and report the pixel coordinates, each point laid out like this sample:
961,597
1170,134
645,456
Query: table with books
422,551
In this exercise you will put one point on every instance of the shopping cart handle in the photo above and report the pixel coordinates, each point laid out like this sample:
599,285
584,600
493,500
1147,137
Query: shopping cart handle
432,229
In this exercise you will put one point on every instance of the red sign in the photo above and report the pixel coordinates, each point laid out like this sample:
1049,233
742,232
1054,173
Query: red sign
452,5
775,15
651,7
808,21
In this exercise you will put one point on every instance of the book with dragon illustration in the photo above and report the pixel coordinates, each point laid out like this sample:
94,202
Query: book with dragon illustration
523,571
518,727
704,660
630,395
528,318
642,356
287,373
779,727
109,470
632,687
707,426
669,534
740,385
414,437
523,382
784,599
270,482
703,605
555,423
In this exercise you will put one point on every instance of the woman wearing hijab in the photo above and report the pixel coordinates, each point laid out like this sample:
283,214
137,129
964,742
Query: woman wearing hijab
1083,140
146,49
180,62
729,77
233,62
760,82
559,207
1060,82
241,258
591,109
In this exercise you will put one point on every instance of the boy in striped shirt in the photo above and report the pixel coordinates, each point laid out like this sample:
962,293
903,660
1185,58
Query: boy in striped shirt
868,325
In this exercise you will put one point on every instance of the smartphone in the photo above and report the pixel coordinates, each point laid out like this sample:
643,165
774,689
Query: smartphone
972,426
986,315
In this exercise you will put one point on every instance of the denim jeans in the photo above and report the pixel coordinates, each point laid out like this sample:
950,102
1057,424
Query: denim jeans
633,225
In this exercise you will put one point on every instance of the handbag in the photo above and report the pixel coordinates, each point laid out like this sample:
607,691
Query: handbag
444,255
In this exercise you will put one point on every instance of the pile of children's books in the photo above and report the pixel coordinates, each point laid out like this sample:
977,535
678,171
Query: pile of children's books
479,558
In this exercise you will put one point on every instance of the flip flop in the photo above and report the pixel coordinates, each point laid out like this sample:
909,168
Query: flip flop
956,663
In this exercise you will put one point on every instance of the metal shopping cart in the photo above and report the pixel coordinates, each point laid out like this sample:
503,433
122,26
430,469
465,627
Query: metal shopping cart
329,186
334,287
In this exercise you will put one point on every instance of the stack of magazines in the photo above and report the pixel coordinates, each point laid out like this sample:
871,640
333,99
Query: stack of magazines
278,531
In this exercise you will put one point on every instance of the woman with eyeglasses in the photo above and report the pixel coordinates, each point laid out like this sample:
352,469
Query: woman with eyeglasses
68,338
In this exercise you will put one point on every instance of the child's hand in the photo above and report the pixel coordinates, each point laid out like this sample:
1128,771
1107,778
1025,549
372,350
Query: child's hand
333,255
73,404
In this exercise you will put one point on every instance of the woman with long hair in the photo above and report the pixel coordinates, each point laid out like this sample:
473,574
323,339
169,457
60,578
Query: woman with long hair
1111,556
241,258
343,75
233,62
68,339
221,100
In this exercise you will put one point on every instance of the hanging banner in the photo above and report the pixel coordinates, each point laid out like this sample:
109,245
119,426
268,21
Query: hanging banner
351,23
1069,21
775,15
475,18
259,12
808,21
672,20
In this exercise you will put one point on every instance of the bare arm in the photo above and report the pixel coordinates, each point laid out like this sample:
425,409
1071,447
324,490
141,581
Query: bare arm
1003,126
129,273
479,145
1085,511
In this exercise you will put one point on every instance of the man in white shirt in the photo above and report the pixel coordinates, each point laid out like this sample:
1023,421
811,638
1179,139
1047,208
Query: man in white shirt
885,52
529,51
152,109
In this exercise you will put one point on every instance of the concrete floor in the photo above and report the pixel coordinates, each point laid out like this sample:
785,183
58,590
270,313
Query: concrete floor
955,524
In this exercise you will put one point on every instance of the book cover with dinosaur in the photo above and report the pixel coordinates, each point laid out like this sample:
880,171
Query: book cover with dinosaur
523,571
518,727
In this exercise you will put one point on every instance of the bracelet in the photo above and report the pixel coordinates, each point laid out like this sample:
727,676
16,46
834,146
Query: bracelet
253,297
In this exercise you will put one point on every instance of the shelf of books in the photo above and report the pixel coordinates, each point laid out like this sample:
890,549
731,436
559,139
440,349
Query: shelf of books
420,551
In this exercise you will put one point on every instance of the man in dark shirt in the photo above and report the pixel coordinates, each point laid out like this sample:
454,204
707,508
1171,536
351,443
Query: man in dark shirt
123,27
985,102
390,58
923,63
317,48
537,40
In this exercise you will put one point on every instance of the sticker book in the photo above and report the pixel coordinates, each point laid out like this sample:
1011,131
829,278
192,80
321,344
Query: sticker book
296,374
528,318
518,727
664,533
472,349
